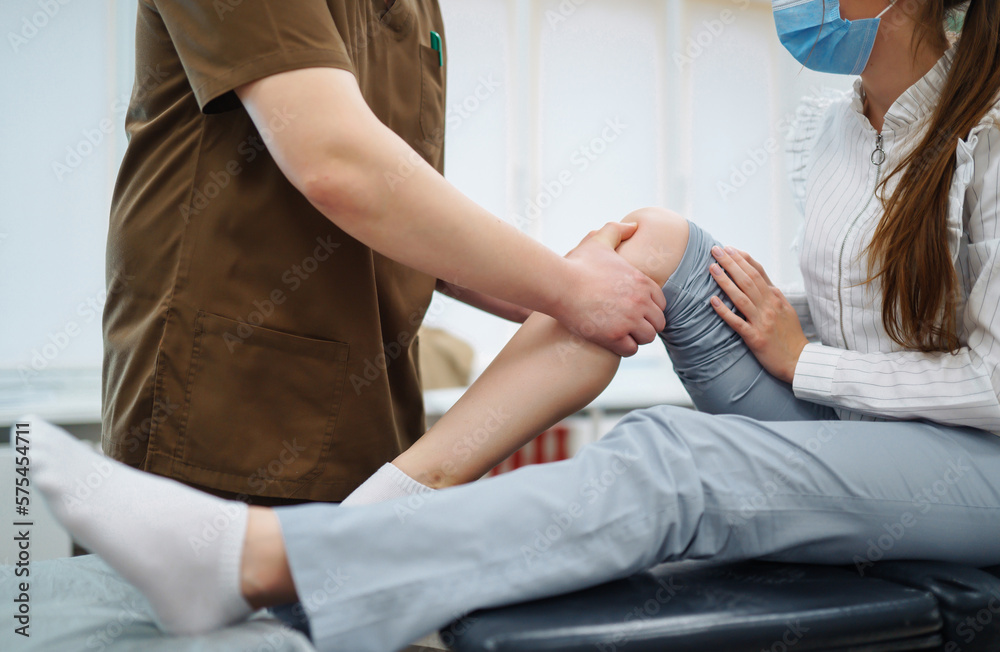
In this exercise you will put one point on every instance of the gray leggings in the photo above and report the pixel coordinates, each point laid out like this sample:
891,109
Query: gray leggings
755,474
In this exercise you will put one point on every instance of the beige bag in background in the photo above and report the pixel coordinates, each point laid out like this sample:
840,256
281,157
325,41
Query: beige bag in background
445,360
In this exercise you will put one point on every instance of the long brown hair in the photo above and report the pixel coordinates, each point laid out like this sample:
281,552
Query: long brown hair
909,252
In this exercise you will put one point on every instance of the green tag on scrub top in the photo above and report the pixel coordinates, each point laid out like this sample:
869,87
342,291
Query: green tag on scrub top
436,46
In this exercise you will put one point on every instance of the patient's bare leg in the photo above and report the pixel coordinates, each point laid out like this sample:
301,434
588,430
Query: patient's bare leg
544,374
265,578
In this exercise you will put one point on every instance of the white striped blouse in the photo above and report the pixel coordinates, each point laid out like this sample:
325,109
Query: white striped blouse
851,363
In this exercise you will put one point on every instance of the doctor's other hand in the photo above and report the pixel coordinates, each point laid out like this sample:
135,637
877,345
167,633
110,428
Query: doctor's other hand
610,302
769,326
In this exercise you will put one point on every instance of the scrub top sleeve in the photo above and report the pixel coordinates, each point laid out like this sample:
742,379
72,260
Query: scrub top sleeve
225,45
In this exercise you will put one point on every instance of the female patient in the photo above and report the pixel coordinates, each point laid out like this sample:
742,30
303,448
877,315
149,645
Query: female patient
876,442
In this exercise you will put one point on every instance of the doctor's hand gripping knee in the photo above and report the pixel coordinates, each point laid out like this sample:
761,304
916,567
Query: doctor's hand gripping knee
611,302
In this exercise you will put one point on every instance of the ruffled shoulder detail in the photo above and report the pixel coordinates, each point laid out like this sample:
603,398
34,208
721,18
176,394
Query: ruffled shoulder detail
806,127
972,150
967,146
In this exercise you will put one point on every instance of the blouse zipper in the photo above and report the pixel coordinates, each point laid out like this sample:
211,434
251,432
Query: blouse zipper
878,159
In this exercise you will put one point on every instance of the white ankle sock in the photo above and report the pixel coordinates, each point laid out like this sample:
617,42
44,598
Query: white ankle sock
182,548
385,484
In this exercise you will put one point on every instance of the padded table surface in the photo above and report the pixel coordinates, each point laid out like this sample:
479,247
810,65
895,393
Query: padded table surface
744,607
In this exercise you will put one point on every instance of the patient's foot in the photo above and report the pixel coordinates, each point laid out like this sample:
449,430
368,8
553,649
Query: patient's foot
180,547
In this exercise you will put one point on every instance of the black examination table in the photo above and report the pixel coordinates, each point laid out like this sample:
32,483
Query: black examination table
754,607
81,604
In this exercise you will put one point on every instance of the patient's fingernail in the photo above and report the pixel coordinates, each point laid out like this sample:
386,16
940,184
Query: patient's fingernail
731,250
715,269
716,302
717,252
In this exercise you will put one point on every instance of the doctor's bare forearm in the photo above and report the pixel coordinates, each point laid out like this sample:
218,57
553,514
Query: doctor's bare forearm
348,164
497,307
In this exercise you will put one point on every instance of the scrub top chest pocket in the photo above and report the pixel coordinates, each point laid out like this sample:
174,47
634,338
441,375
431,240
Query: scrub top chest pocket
408,94
432,89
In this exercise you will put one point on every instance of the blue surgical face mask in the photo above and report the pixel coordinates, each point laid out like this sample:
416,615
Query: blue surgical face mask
826,42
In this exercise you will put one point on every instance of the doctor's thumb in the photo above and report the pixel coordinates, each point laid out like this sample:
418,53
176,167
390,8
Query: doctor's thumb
614,233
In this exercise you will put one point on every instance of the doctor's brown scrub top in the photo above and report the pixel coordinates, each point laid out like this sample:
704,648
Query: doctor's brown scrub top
251,346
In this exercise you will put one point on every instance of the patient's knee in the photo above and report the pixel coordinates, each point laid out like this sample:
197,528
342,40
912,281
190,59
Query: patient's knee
658,245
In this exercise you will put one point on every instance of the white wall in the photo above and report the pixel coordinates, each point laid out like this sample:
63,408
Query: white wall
701,86
60,85
68,68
